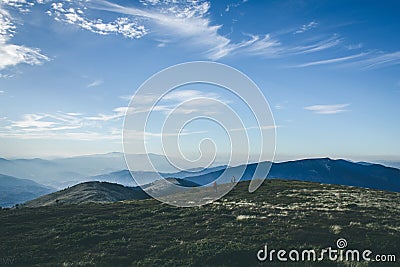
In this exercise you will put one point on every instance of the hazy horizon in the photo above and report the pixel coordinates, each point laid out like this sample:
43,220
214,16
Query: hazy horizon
281,158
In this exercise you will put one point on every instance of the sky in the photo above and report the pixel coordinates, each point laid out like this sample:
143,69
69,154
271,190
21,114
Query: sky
328,69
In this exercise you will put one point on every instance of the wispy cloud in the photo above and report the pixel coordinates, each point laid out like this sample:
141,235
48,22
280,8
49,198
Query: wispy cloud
187,95
187,22
177,101
118,114
46,122
330,61
328,109
95,83
2,92
182,23
378,60
282,105
126,97
12,54
316,46
229,7
63,126
306,27
260,128
363,61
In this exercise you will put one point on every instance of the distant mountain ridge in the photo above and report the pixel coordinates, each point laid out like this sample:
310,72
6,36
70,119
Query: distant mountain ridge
63,172
322,170
125,177
16,191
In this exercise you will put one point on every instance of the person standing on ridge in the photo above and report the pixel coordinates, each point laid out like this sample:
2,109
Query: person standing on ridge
215,187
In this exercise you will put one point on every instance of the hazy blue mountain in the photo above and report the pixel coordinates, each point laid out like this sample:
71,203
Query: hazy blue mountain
15,191
52,172
323,170
63,172
124,177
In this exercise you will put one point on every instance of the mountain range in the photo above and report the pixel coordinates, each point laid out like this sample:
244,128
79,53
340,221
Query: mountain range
14,190
62,172
323,170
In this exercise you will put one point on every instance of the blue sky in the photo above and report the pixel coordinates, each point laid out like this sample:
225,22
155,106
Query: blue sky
329,69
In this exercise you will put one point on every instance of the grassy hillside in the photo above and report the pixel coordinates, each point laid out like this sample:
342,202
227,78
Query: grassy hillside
87,192
229,232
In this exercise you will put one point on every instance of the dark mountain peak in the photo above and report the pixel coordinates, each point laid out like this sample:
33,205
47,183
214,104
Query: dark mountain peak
322,170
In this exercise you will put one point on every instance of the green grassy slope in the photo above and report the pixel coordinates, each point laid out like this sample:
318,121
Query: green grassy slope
229,232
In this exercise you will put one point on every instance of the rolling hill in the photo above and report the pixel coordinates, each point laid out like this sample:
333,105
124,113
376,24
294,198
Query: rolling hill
100,192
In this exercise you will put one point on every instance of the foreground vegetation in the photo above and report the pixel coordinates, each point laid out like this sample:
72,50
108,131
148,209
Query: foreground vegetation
229,232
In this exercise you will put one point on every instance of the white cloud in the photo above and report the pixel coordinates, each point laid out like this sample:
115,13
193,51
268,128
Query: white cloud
259,45
330,61
118,113
62,126
184,23
81,136
46,122
282,105
380,59
2,92
186,95
189,22
260,128
315,47
11,54
234,5
179,102
307,27
95,83
76,16
328,109
125,97
364,60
